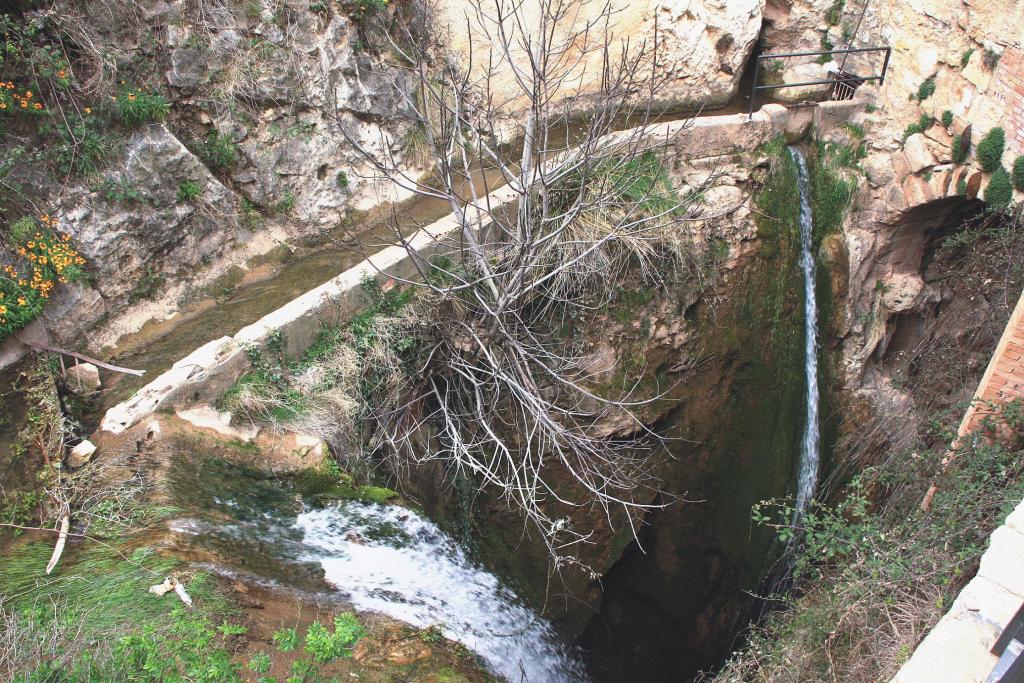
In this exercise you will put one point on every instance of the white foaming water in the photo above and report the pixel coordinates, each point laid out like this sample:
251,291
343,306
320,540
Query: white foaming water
389,559
807,477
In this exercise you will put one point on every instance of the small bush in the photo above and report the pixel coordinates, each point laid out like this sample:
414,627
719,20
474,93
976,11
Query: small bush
188,190
219,151
947,118
990,59
926,89
1018,173
966,57
961,187
286,204
923,124
135,107
325,646
961,147
361,9
827,46
990,150
999,191
834,13
342,180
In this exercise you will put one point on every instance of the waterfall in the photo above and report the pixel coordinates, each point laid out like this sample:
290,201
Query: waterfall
807,477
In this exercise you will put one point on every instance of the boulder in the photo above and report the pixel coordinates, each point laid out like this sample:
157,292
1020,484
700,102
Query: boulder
81,454
189,68
803,73
879,169
83,377
919,157
126,242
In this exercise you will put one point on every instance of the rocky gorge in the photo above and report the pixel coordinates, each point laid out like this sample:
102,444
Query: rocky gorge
292,136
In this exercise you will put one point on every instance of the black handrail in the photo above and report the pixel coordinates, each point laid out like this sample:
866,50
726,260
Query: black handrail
782,55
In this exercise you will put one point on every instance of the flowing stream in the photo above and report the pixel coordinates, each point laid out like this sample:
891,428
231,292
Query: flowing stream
373,558
807,477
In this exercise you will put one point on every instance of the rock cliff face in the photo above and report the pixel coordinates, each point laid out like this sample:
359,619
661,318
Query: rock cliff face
702,45
266,101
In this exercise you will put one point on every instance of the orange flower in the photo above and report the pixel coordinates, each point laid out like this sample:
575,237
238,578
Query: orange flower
88,110
24,104
28,93
3,105
38,106
21,301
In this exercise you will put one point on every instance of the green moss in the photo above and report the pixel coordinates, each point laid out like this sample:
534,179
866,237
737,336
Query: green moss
830,191
375,494
947,118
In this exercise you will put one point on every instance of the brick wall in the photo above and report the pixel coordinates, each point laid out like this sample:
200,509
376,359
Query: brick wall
1008,87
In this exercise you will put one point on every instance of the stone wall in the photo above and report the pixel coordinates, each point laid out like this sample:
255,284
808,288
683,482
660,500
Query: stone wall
1009,86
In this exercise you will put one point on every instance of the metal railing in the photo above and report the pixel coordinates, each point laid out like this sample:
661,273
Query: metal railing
844,83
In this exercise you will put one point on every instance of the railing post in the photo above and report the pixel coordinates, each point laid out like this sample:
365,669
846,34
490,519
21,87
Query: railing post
885,66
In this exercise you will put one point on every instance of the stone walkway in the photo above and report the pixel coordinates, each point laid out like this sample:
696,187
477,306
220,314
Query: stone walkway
957,648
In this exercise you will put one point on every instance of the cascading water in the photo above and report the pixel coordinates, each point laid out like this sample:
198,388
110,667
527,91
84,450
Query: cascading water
379,558
388,559
807,476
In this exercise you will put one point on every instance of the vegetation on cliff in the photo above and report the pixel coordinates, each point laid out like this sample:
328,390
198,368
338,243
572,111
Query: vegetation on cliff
875,572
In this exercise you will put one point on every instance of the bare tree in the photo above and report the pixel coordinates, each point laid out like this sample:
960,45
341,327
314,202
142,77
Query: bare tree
502,394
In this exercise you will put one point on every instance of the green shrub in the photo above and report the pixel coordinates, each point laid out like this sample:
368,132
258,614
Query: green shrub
947,118
923,124
999,191
990,59
219,151
135,106
286,639
834,13
189,190
926,89
342,180
1018,173
990,150
966,57
361,9
961,147
287,202
827,46
325,646
961,187
82,147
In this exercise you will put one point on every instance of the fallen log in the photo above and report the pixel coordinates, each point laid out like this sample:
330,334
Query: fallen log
81,356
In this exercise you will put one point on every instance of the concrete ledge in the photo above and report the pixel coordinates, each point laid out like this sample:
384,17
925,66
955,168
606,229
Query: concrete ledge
956,650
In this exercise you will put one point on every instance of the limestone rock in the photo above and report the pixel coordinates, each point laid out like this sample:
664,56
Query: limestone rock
81,454
919,157
803,73
83,377
189,67
206,417
879,169
128,242
72,310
